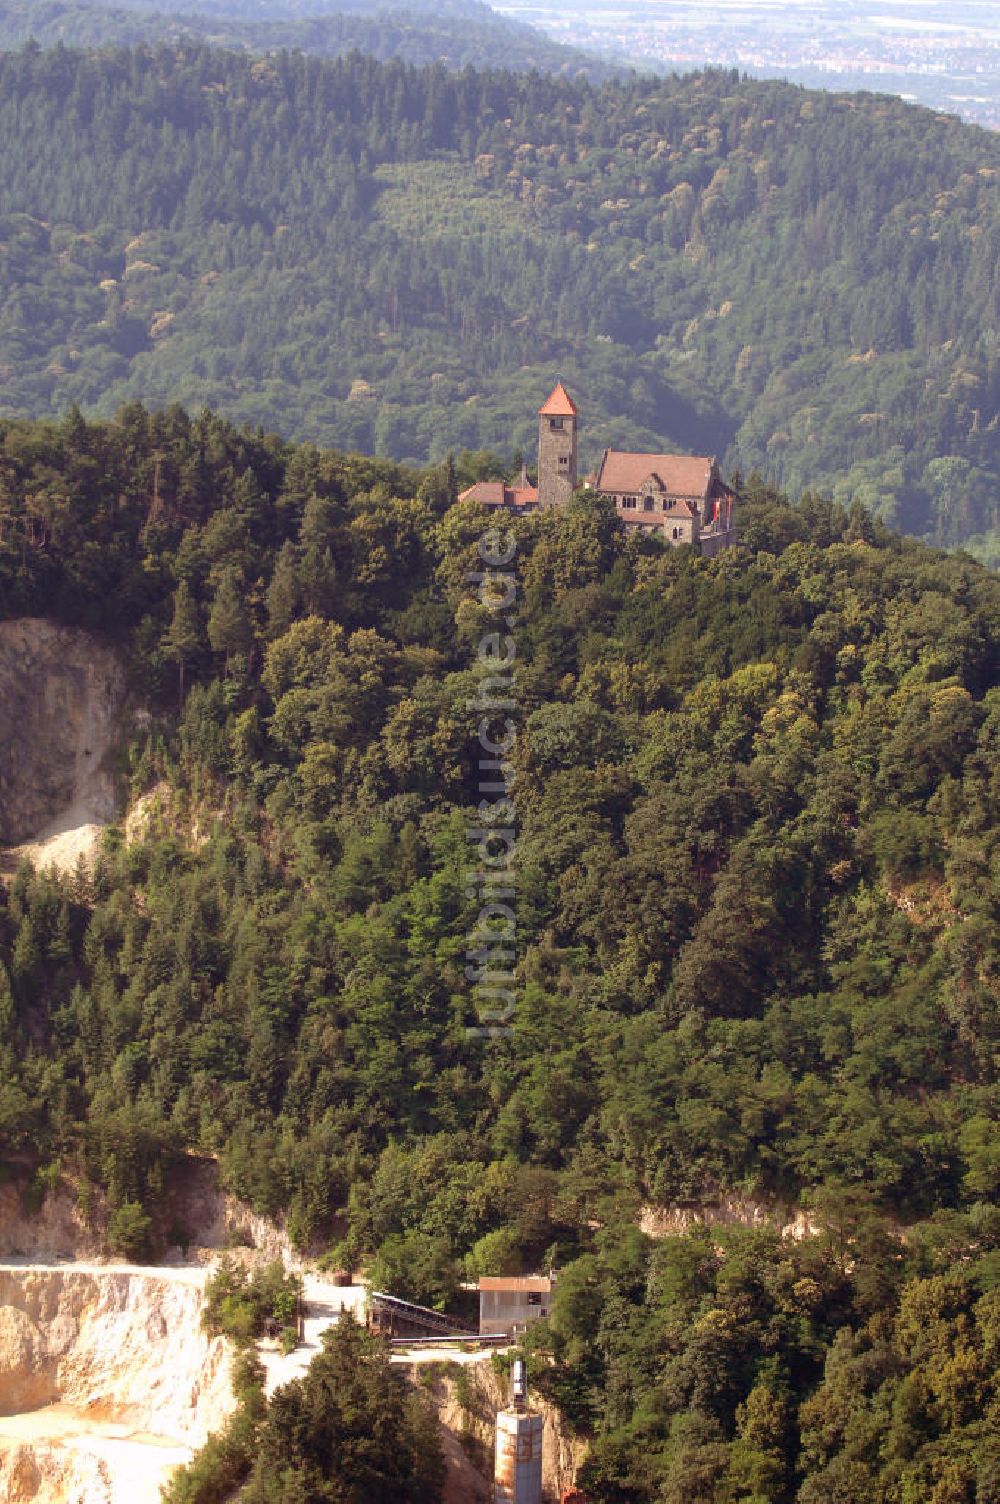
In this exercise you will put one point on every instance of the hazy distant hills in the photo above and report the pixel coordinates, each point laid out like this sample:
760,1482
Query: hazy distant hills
284,10
940,53
456,32
400,260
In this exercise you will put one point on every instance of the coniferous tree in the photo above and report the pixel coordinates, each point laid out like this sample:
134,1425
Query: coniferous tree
183,637
229,629
283,592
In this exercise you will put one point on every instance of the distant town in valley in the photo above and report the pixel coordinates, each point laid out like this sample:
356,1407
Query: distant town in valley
941,53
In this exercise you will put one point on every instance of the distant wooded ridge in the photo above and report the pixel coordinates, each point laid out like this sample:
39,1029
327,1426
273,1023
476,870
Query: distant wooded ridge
458,33
398,260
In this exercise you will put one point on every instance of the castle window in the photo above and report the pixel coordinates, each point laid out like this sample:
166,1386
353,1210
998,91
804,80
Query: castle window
677,532
647,504
555,423
564,462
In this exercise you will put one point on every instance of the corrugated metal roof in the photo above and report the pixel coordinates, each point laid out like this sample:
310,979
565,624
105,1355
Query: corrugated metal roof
516,1283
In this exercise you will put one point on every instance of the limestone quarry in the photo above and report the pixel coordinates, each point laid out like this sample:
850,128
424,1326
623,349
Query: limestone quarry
107,1381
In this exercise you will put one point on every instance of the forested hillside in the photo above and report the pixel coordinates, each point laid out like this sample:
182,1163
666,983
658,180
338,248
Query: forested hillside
756,903
397,260
457,33
351,1431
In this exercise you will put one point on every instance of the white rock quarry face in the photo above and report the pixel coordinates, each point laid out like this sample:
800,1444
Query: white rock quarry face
107,1382
61,693
47,1475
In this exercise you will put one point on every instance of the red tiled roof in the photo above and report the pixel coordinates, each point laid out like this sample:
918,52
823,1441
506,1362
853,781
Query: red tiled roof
494,493
487,492
681,474
559,404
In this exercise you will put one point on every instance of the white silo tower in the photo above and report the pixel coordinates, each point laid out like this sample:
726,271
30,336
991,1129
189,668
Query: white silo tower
518,1471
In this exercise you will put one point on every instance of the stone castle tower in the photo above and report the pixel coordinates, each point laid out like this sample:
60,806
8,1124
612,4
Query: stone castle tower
556,448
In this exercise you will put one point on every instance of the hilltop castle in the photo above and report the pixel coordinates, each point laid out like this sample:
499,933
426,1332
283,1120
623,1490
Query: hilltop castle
680,497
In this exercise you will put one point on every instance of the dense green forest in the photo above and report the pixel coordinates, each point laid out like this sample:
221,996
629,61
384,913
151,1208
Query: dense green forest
457,33
757,805
396,260
739,1368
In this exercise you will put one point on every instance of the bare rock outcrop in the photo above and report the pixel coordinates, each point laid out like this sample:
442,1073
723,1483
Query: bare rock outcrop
27,1376
192,1221
20,1475
42,1474
215,1219
55,1228
61,695
727,1211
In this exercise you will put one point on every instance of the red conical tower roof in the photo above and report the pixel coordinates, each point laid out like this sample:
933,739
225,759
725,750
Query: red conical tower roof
559,405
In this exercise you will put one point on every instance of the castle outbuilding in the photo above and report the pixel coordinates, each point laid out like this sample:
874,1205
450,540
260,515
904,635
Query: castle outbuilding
681,498
497,495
